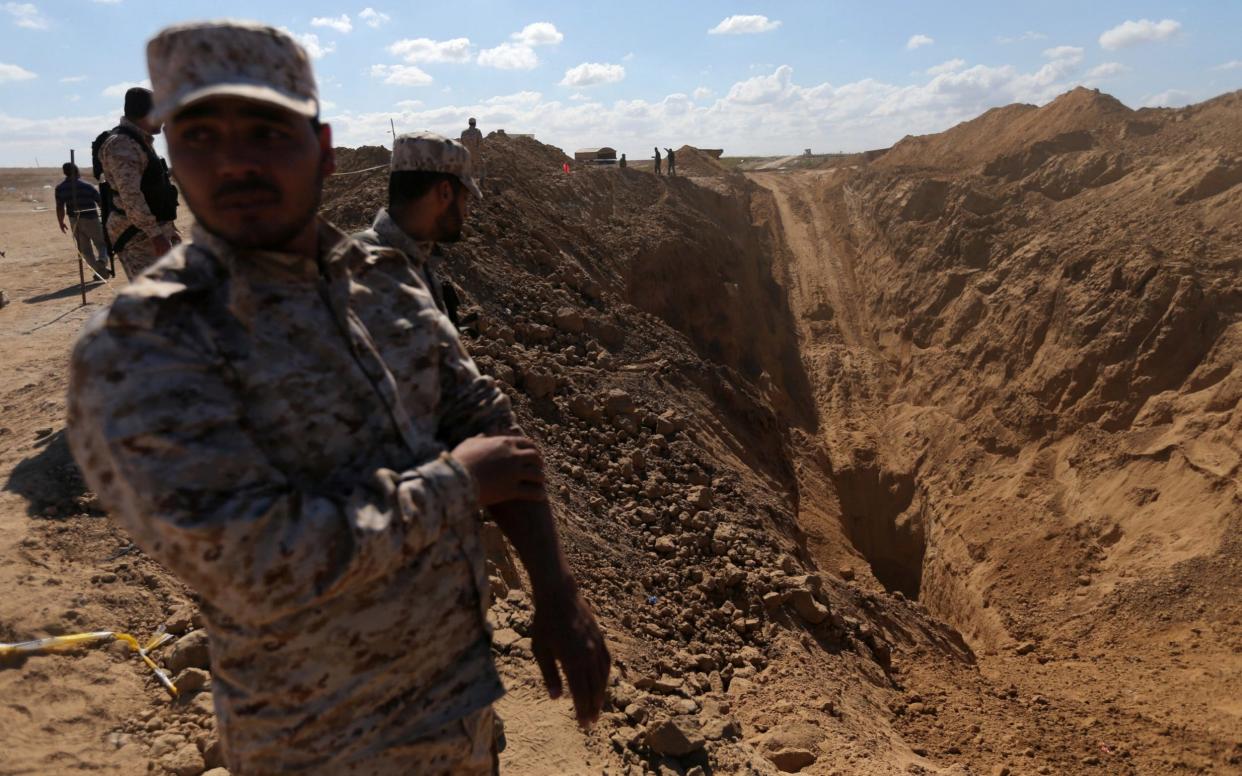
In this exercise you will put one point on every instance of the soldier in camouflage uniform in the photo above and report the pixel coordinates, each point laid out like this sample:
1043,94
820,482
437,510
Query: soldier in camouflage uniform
472,139
430,187
140,230
281,416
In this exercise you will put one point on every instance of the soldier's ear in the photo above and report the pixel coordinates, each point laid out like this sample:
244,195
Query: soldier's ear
327,154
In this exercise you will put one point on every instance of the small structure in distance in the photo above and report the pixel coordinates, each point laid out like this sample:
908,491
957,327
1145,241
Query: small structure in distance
602,155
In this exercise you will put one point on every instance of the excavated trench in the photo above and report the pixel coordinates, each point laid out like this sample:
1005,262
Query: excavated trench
885,522
875,499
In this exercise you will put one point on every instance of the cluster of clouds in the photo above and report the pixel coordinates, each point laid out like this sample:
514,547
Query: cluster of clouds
26,15
767,113
519,52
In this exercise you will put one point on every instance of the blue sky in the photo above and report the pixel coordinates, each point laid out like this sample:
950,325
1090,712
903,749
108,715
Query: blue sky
754,78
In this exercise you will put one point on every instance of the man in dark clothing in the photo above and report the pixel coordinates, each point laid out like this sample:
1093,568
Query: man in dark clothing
80,201
672,162
657,160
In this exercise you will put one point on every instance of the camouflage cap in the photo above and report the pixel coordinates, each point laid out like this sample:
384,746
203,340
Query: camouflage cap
429,152
192,62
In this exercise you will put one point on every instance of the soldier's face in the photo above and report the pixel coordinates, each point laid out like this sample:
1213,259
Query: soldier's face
252,173
450,222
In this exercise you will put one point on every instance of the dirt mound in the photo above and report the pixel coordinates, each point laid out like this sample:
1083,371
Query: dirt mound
354,159
1066,123
694,162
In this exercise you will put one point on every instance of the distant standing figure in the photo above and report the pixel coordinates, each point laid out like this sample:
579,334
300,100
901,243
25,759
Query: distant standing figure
80,201
622,162
657,160
472,139
672,162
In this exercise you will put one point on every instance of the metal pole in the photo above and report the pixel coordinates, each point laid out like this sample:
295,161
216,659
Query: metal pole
73,197
393,124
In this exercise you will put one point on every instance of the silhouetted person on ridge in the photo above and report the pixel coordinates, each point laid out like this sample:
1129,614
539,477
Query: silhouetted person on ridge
672,162
657,160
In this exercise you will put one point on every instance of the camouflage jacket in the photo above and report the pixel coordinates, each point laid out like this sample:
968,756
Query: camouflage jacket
123,161
472,139
275,432
385,233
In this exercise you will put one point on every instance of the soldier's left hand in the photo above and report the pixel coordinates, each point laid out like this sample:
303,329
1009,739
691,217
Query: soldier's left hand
565,631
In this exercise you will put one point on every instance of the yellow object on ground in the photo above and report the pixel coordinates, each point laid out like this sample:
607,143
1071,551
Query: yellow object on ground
56,643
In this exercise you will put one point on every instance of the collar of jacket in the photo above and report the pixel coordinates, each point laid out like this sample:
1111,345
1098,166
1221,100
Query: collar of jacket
333,253
127,123
392,235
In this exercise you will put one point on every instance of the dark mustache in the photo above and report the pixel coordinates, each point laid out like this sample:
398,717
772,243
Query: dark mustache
247,186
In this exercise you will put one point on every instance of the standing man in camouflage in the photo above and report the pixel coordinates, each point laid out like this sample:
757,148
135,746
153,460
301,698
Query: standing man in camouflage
430,188
472,139
281,416
143,204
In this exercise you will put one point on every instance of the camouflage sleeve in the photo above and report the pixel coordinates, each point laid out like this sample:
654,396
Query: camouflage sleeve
163,443
471,404
123,162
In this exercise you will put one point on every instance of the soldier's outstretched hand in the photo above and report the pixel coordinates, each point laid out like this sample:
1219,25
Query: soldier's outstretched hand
565,632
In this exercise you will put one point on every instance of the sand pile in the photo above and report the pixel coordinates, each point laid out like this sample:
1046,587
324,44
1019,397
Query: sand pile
691,161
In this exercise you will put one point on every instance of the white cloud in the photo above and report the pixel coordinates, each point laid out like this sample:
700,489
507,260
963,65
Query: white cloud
22,139
310,42
519,54
951,66
1235,64
1028,35
1070,53
538,34
768,114
107,2
919,40
26,15
1107,70
762,89
14,73
1130,33
593,74
415,50
118,90
410,104
341,23
509,56
373,18
702,93
73,79
1171,98
744,24
401,75
629,57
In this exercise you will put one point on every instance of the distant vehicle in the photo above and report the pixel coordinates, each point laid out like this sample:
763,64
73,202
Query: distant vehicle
602,155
